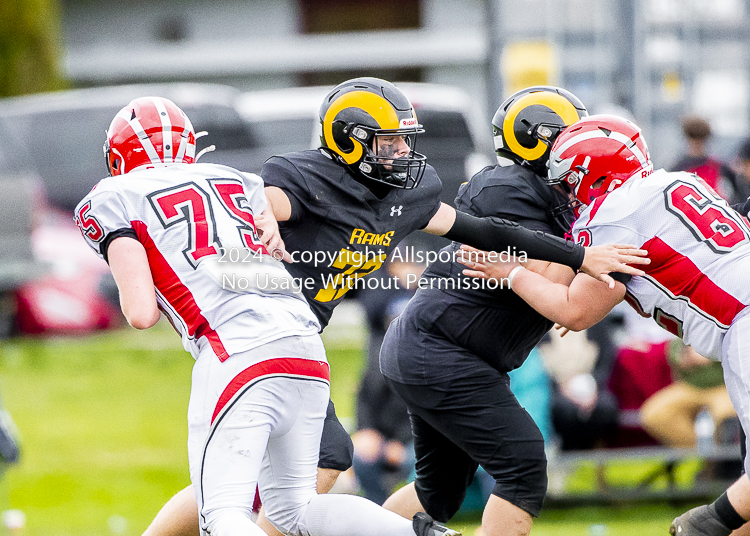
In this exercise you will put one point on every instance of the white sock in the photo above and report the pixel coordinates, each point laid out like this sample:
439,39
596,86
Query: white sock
232,522
336,514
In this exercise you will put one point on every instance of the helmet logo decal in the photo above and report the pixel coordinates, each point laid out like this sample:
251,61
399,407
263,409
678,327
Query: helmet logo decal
559,104
375,105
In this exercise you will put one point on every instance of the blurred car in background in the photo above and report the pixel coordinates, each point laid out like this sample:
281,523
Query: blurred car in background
20,194
63,132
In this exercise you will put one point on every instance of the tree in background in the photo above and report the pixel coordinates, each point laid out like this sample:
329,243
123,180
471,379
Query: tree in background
30,47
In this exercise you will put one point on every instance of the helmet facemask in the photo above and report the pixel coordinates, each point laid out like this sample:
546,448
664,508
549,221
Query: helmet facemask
391,158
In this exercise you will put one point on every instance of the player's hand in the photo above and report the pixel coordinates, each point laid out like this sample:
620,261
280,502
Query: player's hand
599,261
268,229
484,265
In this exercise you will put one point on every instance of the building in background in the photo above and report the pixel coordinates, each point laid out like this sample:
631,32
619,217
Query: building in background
654,60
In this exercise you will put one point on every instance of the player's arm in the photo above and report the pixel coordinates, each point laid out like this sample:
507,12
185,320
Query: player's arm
576,304
494,234
130,268
278,203
279,208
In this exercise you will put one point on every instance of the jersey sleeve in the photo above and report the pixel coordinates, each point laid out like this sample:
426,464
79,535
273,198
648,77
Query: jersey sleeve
280,172
98,216
598,233
511,203
431,189
256,197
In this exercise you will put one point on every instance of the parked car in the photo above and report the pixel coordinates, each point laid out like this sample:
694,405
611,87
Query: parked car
63,131
20,193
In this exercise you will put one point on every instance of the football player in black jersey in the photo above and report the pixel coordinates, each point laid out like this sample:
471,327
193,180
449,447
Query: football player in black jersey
341,209
449,352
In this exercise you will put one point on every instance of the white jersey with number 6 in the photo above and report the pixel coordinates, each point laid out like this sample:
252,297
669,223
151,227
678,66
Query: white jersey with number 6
195,219
698,281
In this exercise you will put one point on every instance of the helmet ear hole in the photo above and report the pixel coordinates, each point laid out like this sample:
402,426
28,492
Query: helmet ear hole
338,129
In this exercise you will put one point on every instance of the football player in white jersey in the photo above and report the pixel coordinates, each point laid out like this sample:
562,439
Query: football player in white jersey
180,238
697,285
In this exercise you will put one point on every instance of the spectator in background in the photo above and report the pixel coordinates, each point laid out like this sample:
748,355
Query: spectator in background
383,447
743,177
640,370
669,414
584,411
716,173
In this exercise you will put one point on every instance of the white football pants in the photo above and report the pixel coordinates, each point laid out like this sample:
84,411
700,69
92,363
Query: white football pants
256,419
735,359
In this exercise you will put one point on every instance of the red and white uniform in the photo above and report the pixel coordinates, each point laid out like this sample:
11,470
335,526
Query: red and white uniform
260,382
698,283
189,216
260,388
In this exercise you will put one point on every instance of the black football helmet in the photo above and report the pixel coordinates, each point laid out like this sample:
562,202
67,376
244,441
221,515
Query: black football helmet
526,125
370,126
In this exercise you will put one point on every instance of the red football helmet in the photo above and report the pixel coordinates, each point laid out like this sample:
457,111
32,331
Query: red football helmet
149,130
597,154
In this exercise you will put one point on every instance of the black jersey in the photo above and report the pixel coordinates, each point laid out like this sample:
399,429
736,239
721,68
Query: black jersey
513,193
448,324
339,230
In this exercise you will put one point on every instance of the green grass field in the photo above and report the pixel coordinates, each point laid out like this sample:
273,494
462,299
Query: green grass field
103,434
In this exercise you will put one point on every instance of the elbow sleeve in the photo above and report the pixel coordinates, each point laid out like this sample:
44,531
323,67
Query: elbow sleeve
493,234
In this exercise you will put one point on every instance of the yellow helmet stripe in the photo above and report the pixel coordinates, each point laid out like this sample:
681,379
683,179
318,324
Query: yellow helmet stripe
557,103
375,105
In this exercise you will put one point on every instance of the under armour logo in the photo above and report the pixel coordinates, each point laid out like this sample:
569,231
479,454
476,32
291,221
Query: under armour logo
396,211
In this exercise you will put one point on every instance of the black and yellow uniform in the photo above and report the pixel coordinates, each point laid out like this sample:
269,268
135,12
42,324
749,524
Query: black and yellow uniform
353,201
449,353
352,230
344,222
